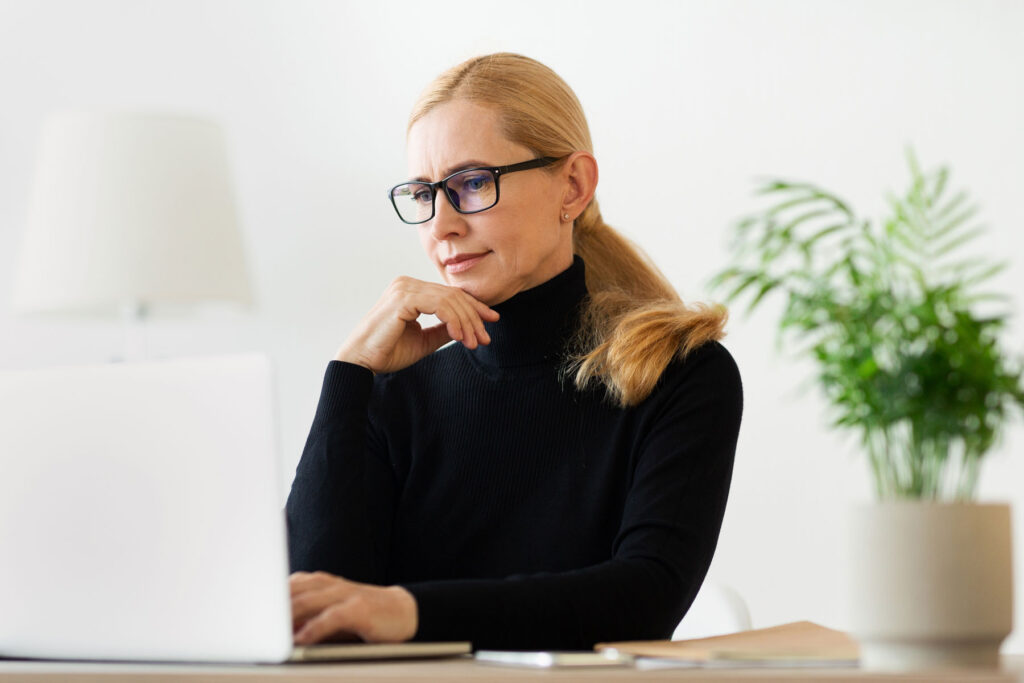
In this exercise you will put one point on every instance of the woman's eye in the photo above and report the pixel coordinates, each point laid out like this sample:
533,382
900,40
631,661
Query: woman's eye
475,183
422,197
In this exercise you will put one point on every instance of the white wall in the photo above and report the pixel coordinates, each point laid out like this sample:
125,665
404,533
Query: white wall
696,97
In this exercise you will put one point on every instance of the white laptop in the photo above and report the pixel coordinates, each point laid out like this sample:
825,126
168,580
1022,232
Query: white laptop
140,517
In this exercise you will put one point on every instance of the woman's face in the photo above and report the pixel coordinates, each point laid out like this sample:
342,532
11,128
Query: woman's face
516,244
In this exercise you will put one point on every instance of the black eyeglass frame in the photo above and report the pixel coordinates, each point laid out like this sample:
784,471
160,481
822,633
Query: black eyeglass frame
497,171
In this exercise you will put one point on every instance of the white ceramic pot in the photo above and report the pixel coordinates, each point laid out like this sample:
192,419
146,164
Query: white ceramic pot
932,584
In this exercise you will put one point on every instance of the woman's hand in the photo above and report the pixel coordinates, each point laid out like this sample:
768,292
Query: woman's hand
389,338
325,607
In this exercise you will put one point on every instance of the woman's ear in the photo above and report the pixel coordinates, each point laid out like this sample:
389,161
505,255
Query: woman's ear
580,174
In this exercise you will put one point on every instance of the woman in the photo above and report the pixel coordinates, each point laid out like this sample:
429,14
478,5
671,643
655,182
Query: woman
558,476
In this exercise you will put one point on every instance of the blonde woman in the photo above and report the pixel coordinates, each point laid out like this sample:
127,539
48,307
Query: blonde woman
555,478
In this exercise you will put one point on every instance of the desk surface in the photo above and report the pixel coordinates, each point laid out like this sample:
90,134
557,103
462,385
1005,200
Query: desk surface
462,670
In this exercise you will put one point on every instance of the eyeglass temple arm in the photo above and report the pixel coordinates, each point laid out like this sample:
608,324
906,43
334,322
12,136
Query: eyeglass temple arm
525,165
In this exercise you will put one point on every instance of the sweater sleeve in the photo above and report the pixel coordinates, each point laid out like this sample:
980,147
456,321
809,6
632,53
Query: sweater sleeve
340,507
669,530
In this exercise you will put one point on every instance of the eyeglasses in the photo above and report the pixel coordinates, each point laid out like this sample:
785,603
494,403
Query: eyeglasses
469,191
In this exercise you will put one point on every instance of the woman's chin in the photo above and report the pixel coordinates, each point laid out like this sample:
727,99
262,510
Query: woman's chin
476,289
479,282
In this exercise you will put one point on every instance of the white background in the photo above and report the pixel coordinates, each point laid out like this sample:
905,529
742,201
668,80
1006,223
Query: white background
688,103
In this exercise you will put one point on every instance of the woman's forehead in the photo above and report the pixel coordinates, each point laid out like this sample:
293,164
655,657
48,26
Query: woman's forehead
456,134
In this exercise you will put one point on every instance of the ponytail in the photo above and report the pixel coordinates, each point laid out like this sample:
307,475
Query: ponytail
633,323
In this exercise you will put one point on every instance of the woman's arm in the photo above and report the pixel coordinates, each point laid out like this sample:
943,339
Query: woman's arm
339,516
341,502
661,554
339,509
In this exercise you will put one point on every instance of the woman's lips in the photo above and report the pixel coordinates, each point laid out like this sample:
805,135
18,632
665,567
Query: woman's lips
463,262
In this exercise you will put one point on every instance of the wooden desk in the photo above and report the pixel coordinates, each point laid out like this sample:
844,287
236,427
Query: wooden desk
460,670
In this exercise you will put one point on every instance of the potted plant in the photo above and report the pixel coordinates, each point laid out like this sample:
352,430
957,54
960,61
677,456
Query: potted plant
907,355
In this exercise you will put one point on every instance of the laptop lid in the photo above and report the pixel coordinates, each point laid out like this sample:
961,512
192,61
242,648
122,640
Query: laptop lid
139,513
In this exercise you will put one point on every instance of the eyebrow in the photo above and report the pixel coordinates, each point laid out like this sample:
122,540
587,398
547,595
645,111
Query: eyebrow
471,163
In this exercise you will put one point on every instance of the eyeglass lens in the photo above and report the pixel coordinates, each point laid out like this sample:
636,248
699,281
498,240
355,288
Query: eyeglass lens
469,191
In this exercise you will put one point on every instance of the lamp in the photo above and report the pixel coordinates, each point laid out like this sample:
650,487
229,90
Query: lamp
129,210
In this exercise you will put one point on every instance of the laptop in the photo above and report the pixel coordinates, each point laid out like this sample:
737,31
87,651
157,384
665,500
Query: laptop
141,517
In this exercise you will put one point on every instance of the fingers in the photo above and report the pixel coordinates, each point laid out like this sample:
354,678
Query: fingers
435,337
459,311
344,618
390,338
301,579
477,312
300,582
469,322
330,607
463,316
311,593
453,322
485,311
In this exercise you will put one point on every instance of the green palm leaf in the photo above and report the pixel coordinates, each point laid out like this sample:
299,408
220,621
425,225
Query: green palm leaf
886,311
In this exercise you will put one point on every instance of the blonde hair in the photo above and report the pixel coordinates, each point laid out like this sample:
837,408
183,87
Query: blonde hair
633,323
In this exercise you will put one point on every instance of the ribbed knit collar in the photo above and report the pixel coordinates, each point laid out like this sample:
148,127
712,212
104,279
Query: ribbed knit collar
536,324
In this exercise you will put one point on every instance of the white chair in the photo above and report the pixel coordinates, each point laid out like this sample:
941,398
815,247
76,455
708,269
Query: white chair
718,609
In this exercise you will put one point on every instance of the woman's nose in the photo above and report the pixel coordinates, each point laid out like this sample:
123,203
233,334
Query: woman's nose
447,222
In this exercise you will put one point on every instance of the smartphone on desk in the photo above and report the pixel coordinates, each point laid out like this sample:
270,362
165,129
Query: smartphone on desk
552,660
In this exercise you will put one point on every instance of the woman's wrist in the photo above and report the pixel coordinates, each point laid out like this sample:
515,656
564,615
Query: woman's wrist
346,355
409,610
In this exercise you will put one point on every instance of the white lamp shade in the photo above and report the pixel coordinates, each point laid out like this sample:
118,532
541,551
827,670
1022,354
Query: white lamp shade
130,209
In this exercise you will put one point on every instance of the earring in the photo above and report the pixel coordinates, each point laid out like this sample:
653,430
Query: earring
565,216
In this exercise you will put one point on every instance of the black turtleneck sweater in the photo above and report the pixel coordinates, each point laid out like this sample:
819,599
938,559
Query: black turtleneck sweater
520,512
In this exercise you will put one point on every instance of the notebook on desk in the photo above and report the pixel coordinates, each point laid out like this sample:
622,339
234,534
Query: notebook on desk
797,644
141,517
